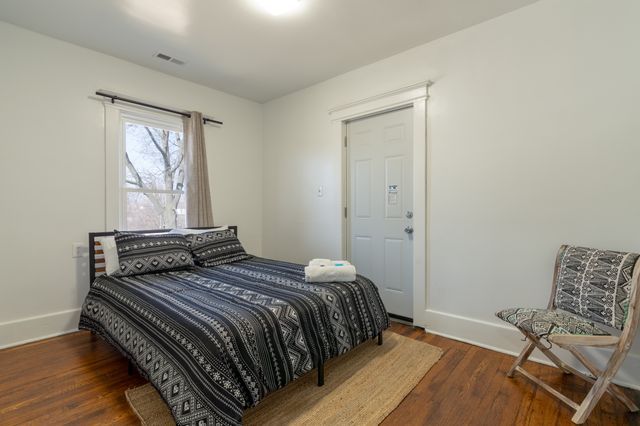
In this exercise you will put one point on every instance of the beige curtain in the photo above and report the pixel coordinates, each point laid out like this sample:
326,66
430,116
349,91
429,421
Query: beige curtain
199,212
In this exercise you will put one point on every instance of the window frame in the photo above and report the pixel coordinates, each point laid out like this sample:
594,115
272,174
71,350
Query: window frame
116,191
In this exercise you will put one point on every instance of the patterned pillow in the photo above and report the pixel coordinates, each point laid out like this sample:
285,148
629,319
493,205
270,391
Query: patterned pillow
142,254
216,248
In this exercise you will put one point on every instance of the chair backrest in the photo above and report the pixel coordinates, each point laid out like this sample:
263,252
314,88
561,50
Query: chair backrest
595,284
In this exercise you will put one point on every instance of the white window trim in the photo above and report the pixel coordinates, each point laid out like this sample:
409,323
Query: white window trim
115,115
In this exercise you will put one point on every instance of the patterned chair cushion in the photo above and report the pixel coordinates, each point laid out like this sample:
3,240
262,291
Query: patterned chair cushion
142,254
544,322
595,284
216,248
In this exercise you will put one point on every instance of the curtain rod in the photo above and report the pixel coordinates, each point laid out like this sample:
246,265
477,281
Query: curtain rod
115,97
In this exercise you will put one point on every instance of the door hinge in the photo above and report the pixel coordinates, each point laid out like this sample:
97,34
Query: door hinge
345,212
345,141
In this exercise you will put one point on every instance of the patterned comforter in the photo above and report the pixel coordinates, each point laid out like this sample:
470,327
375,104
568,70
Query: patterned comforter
215,341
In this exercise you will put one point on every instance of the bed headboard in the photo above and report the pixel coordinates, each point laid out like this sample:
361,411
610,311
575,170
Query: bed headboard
96,256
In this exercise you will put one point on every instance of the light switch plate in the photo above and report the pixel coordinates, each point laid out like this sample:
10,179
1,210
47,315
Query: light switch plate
77,250
320,191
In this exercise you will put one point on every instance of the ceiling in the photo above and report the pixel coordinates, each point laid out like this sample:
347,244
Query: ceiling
233,46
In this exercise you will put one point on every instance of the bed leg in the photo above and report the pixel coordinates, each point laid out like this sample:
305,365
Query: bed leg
130,367
321,374
380,339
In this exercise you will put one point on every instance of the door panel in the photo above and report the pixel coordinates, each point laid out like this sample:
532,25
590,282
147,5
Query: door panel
379,196
394,133
393,265
363,185
363,255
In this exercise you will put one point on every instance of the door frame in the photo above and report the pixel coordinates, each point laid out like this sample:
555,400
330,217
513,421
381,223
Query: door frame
414,96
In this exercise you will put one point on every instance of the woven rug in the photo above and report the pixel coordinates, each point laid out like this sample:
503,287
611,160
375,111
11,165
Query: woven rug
361,388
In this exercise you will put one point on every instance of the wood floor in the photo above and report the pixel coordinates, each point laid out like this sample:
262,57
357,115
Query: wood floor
80,379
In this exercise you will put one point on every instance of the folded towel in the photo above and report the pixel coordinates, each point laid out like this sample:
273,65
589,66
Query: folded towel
328,262
326,274
320,262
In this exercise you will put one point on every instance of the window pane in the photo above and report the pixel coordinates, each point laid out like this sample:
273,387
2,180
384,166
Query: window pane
154,157
155,211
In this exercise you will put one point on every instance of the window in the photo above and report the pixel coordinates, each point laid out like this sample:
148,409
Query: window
145,170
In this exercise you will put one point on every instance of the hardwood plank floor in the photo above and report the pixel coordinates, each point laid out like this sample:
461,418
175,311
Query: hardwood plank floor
80,379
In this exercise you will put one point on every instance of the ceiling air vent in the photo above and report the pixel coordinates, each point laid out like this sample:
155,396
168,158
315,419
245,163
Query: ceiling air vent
168,58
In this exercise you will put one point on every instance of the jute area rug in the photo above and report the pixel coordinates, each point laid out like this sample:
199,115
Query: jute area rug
361,388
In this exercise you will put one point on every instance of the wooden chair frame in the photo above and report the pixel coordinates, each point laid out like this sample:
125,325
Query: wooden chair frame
601,379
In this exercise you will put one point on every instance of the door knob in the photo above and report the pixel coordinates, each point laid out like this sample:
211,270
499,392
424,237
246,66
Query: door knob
409,214
408,230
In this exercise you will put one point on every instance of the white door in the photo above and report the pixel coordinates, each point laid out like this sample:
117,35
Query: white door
380,209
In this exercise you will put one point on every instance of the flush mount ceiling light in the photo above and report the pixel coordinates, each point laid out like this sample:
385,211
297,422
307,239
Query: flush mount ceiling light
278,7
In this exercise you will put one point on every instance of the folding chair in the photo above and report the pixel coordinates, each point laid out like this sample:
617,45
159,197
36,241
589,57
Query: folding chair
590,288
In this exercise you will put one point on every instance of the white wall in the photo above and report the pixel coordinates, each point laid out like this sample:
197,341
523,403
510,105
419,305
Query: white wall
52,169
533,142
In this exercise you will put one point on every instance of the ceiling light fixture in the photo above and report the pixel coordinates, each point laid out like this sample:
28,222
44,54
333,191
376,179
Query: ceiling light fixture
278,7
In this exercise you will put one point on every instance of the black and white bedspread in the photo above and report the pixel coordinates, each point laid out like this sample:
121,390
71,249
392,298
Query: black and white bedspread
215,341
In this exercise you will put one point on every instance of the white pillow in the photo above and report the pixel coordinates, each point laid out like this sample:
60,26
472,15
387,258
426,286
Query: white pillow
186,231
111,261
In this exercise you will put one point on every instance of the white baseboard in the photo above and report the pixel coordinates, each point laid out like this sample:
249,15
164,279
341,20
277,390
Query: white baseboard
26,330
508,340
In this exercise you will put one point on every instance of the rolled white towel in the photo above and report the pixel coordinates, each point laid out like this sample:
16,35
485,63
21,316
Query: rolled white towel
327,274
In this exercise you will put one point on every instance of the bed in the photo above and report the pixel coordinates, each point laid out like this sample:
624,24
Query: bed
215,341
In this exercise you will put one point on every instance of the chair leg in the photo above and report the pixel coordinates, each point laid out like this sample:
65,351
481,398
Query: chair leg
602,384
547,352
524,355
592,398
612,388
